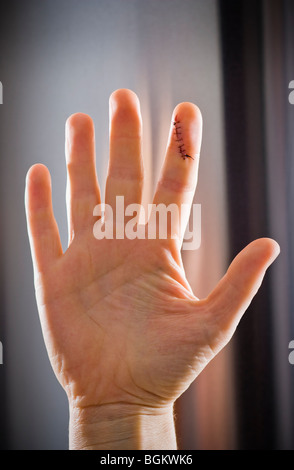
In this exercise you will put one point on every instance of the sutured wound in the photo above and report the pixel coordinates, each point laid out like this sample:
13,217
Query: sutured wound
180,140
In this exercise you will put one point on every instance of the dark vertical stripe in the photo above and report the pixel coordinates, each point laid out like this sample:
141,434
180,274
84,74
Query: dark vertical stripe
8,11
242,51
288,12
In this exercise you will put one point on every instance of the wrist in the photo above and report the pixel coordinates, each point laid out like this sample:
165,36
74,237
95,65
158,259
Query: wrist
121,426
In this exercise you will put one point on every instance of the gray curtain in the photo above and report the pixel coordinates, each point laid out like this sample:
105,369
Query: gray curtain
257,45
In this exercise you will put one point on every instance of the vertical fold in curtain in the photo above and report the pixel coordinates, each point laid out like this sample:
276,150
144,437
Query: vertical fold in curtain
3,417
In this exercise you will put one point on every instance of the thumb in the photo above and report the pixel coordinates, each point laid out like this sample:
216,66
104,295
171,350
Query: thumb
234,293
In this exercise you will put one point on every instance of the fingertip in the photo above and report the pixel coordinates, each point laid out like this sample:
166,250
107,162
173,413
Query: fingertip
79,129
123,98
266,248
37,172
276,248
37,176
188,111
123,94
79,120
272,246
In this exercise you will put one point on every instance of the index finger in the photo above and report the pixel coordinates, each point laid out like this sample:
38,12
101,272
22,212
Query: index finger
179,174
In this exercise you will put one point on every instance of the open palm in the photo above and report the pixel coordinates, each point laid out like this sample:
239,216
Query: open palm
120,321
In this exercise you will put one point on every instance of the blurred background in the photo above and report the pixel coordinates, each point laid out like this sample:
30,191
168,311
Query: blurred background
235,60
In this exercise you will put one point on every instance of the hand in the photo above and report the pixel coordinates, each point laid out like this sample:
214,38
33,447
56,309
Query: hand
124,332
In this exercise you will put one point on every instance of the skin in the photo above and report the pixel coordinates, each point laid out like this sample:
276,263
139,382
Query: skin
125,334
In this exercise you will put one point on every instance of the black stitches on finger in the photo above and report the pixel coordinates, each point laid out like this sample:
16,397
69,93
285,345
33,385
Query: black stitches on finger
180,140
